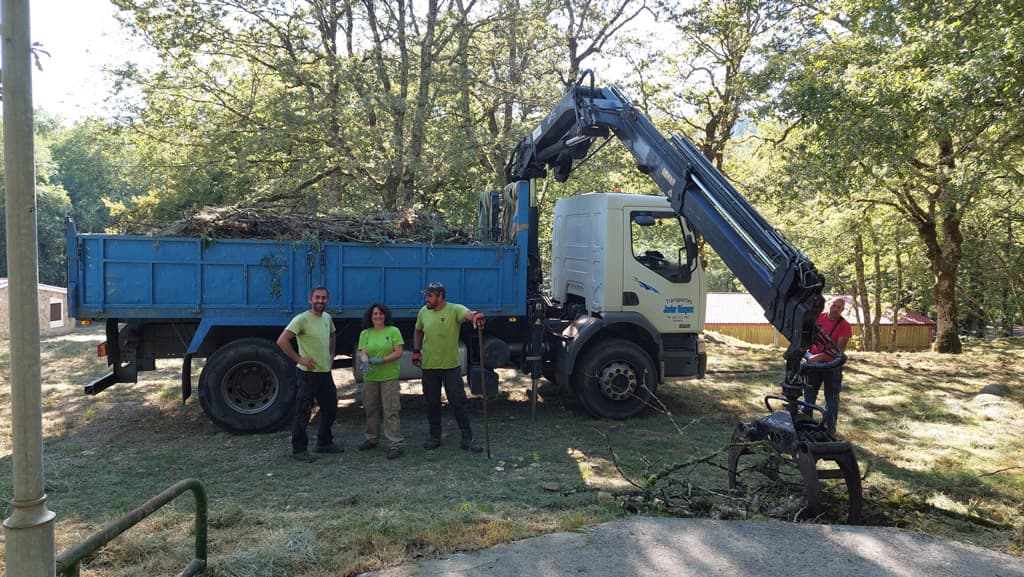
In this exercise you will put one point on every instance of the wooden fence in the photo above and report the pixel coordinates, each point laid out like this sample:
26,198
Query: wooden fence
908,337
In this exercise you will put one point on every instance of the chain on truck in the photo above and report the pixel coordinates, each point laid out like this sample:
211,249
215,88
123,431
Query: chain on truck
625,309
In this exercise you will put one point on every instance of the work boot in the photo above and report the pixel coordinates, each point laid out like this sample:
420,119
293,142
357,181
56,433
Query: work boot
304,457
432,443
367,445
394,452
467,443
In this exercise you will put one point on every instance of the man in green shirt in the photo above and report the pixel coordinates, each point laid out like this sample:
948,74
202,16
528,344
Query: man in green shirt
314,331
435,349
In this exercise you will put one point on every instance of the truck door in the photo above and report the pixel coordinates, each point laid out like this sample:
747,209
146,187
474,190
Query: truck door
662,278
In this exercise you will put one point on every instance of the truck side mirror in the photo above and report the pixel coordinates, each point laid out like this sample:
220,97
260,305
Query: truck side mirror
685,272
691,252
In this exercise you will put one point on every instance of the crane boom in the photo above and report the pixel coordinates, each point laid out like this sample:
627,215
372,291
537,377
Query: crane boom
781,278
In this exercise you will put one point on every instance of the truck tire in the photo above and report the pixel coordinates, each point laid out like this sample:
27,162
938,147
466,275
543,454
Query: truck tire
615,379
248,386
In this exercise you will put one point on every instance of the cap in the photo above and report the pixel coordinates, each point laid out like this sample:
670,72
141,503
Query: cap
434,288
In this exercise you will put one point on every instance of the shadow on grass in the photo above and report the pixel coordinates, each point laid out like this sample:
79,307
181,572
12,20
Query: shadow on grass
906,498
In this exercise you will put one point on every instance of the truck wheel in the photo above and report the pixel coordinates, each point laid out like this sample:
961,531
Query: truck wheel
248,386
615,379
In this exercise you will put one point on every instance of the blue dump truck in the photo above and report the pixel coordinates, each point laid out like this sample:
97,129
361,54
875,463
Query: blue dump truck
625,308
228,300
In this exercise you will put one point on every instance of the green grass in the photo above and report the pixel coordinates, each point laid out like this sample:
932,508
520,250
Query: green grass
937,458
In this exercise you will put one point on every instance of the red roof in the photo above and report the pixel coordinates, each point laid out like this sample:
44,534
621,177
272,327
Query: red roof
734,308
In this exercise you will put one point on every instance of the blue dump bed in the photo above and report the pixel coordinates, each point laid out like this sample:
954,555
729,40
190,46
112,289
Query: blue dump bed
264,281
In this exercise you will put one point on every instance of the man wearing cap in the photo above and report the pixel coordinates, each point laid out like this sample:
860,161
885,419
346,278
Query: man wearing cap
435,349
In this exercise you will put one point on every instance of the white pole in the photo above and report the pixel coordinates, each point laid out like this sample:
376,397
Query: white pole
29,531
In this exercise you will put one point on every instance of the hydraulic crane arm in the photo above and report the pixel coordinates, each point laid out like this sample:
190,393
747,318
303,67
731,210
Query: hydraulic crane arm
780,278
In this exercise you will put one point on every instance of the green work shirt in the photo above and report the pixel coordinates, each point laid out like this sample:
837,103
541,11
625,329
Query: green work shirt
440,347
381,344
314,336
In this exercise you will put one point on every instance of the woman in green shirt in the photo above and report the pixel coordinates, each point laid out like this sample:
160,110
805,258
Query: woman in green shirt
379,350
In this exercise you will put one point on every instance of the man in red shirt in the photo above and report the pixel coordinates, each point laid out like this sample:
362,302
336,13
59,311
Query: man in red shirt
839,330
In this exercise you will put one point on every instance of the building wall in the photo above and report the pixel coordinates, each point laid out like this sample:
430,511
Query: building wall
49,299
758,334
908,337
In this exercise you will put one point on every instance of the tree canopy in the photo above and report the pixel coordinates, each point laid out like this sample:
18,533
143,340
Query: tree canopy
884,139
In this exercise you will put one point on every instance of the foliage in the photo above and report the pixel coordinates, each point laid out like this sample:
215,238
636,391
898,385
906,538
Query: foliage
722,68
52,204
329,106
993,268
897,124
913,107
93,161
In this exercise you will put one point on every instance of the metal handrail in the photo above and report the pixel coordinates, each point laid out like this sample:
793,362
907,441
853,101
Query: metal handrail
69,562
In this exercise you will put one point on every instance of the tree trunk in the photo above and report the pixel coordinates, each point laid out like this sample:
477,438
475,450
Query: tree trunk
947,337
421,109
876,328
1006,312
944,266
327,21
897,303
974,322
947,333
861,299
944,255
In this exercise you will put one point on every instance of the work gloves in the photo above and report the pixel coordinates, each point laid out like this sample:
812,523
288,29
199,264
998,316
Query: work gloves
364,366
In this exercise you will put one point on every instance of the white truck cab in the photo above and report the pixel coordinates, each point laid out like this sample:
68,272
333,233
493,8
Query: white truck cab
619,252
626,275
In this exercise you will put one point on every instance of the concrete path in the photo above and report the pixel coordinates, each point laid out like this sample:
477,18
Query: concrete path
704,548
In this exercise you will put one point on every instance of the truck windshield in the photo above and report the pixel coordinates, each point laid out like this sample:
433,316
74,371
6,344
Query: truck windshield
659,243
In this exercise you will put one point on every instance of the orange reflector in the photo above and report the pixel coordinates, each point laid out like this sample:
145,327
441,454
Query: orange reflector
101,350
85,322
512,320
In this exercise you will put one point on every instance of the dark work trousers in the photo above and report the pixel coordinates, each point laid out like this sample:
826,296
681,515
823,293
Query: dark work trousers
451,380
833,381
319,387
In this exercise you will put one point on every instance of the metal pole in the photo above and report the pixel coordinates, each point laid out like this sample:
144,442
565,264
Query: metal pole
483,388
29,531
534,359
533,401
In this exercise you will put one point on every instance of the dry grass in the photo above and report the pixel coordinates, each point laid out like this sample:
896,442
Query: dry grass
939,445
